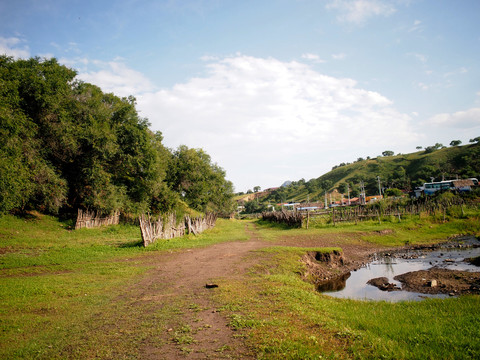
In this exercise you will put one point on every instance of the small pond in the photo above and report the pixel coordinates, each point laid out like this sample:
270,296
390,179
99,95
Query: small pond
354,285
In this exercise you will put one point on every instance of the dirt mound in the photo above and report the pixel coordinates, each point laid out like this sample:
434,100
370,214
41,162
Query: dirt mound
441,281
322,267
383,284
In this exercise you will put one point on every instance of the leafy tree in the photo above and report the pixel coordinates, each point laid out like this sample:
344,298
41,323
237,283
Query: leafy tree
342,188
455,142
393,192
253,207
201,183
388,153
66,144
475,140
256,188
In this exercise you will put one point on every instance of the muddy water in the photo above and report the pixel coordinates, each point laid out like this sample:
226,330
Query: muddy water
354,285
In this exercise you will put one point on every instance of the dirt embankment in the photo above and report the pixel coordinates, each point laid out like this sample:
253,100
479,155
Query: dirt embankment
202,331
330,271
441,281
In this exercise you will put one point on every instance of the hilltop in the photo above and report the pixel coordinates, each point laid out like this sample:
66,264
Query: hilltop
402,171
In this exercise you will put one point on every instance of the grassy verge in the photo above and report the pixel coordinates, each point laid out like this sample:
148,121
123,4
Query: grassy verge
62,291
283,317
64,294
413,230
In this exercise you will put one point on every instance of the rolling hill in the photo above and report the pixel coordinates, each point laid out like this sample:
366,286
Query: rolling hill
402,171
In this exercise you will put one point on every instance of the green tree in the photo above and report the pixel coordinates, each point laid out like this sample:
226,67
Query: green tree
342,188
393,192
455,142
201,183
388,153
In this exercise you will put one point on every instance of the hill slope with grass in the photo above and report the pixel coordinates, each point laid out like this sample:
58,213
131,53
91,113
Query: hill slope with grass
402,171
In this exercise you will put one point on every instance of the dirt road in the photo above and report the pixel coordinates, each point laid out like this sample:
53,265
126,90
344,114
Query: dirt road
180,279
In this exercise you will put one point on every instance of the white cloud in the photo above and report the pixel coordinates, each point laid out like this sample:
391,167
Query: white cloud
14,46
460,71
339,56
359,11
423,86
312,57
113,76
416,26
266,121
209,58
468,119
420,57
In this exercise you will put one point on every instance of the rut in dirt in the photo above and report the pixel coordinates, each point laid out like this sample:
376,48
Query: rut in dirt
201,332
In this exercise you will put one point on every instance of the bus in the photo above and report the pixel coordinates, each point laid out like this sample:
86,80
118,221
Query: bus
458,185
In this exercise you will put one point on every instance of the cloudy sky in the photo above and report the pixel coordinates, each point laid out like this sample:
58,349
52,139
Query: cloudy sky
273,90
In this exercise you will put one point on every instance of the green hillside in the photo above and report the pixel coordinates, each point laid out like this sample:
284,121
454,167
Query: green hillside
403,171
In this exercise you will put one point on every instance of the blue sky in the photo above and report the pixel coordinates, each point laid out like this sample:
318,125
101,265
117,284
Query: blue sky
272,90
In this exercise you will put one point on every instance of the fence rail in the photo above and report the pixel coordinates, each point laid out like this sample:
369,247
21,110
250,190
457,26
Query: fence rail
91,219
300,218
166,227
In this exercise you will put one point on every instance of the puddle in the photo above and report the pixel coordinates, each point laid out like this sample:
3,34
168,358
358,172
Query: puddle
354,285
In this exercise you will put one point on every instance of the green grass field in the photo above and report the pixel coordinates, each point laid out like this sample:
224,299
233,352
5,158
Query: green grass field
62,292
59,284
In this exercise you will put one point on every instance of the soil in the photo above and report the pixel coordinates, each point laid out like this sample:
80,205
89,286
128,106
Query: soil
190,277
441,281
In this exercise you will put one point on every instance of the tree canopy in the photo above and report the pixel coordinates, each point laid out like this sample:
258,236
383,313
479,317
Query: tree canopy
68,145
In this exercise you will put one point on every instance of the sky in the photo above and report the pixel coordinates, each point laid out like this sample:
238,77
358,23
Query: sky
272,90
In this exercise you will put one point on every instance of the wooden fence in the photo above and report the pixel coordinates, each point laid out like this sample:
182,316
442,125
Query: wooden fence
90,219
355,214
166,227
290,218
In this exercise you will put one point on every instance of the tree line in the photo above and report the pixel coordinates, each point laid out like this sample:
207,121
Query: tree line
68,145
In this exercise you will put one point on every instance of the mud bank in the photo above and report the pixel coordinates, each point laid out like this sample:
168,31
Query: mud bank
443,268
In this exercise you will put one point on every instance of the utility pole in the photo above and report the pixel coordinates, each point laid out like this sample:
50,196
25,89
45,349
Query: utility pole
379,188
362,191
325,199
348,191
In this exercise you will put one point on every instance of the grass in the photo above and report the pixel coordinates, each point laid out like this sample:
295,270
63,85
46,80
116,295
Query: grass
62,291
413,230
283,317
65,294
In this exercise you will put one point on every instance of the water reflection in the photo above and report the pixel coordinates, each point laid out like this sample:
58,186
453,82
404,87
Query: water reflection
336,284
354,285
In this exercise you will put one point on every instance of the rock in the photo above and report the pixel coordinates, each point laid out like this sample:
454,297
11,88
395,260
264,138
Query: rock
383,284
211,286
432,283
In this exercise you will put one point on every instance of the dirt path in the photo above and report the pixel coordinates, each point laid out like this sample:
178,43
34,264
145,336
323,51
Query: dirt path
180,278
178,281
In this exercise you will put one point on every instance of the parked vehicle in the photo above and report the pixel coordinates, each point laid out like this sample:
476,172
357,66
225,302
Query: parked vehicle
457,185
